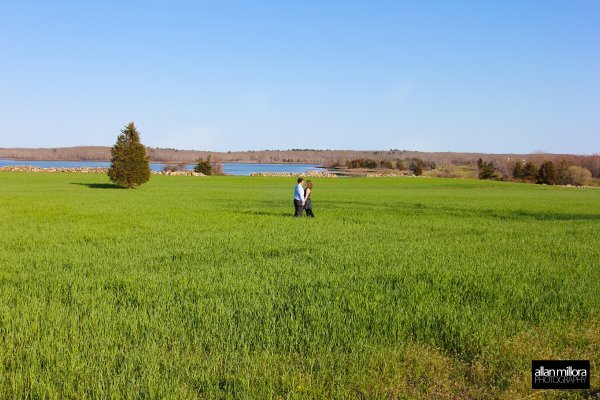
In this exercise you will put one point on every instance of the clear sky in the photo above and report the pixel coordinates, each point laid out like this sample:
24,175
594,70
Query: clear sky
484,76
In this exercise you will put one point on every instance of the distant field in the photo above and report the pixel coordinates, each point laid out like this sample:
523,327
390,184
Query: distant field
453,171
207,288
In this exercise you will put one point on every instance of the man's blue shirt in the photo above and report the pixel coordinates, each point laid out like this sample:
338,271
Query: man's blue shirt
299,192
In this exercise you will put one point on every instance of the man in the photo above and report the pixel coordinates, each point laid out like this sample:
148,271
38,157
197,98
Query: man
299,198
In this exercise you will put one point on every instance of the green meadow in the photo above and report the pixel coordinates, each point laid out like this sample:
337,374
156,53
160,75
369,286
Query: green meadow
206,287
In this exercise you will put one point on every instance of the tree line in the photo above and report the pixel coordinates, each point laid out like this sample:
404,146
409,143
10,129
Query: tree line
414,165
547,173
130,165
504,162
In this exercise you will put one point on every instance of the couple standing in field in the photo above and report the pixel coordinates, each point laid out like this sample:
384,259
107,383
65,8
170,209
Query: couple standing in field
302,199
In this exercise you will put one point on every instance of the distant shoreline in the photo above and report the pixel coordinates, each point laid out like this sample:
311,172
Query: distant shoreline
320,158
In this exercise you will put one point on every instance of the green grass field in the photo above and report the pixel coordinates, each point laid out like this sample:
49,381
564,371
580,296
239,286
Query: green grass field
207,288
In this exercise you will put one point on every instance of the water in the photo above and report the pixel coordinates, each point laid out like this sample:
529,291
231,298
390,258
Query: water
247,169
240,169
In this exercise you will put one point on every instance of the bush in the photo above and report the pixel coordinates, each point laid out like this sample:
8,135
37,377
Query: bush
416,166
217,168
547,174
203,167
175,168
362,163
371,164
209,167
578,176
386,164
332,164
487,170
129,166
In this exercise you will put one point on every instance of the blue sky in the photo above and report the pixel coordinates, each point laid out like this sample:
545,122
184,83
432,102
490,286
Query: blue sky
482,76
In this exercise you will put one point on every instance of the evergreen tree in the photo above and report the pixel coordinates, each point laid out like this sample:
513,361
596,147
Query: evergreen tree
203,167
518,171
562,173
487,170
129,163
530,172
546,174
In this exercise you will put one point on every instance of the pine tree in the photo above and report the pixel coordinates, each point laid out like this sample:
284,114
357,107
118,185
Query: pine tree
530,172
129,163
203,167
547,174
518,170
562,173
487,170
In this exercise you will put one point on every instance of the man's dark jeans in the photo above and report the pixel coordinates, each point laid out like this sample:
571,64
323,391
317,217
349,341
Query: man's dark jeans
298,208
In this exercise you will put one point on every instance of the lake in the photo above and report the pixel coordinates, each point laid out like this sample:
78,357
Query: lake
240,169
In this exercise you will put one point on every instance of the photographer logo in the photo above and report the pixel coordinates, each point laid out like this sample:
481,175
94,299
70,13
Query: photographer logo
560,374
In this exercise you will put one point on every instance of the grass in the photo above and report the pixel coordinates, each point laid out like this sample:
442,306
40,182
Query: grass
453,171
207,288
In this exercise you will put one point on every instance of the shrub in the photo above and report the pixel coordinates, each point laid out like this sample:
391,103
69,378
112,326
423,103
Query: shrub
129,166
386,164
217,168
209,167
174,168
547,174
487,170
578,176
203,167
416,166
371,164
362,163
332,164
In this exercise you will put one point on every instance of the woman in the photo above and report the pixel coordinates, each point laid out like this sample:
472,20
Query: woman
307,200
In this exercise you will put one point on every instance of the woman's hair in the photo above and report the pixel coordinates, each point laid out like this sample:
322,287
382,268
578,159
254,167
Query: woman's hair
308,184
